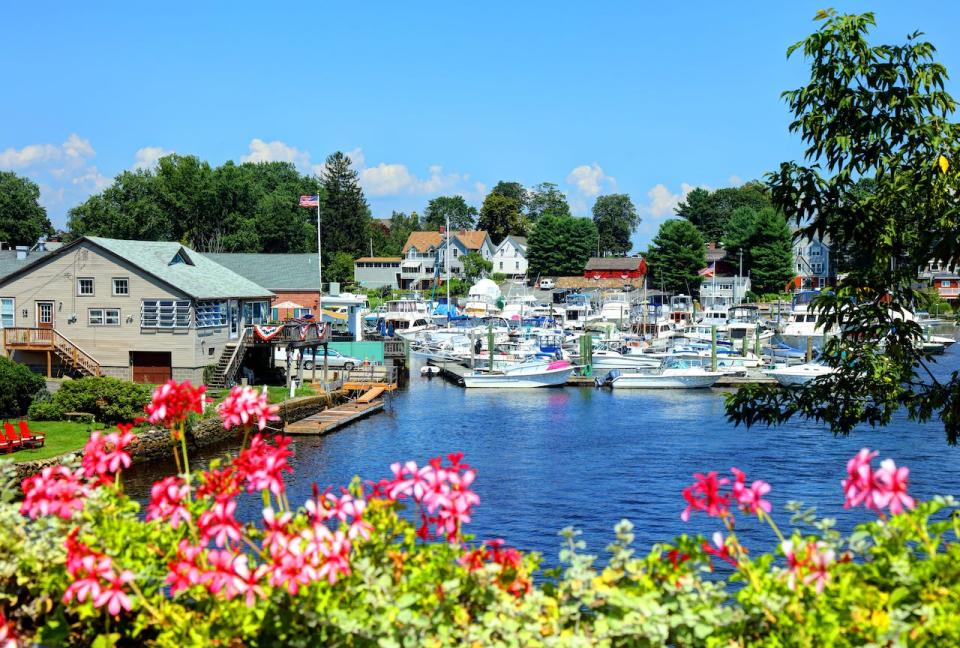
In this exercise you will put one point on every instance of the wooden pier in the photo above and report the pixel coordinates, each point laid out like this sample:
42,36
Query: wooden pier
335,418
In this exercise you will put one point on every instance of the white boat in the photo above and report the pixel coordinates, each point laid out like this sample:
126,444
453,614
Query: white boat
801,324
673,373
606,359
799,374
406,316
522,375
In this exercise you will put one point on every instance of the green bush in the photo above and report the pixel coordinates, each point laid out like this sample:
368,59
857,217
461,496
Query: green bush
498,277
110,400
46,409
208,373
18,385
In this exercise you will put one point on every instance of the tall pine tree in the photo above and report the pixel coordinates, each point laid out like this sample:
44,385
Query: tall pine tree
676,256
344,214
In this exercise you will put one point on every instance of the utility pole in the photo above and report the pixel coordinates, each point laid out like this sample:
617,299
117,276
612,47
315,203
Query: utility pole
739,278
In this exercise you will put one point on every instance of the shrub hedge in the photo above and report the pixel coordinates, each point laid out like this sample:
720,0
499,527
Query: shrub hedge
18,386
109,400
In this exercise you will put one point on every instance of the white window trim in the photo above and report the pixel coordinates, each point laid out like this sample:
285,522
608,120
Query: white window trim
93,287
180,311
13,322
113,286
103,316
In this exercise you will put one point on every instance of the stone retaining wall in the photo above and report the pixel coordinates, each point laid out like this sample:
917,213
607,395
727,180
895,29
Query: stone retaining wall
156,442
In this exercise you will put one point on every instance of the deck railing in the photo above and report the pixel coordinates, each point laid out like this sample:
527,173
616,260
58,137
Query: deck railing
49,339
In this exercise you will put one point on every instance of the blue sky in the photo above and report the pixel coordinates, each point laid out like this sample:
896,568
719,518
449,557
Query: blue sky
428,98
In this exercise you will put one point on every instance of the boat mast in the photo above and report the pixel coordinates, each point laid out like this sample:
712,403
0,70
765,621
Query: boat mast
447,263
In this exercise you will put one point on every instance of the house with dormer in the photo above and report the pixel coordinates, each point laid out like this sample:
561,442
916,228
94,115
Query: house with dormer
425,255
145,311
812,263
510,257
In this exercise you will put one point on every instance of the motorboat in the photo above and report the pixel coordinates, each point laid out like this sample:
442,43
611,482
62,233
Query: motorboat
405,317
521,375
605,359
799,374
801,324
673,373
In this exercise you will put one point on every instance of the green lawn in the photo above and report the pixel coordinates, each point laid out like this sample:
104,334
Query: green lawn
62,436
280,393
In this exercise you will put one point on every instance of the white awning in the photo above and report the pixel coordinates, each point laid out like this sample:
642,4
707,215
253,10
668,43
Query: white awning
412,264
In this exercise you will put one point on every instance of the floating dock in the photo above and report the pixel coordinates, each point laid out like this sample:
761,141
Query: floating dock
335,418
454,372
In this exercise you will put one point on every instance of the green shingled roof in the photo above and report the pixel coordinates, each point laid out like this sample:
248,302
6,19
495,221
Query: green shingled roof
274,271
10,264
200,277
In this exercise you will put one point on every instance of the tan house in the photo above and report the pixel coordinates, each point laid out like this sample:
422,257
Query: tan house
139,310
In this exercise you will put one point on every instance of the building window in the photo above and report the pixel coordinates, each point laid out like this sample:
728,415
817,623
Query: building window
85,286
211,313
7,312
301,312
275,314
103,317
121,287
817,268
255,312
518,265
456,253
945,283
814,252
164,313
799,267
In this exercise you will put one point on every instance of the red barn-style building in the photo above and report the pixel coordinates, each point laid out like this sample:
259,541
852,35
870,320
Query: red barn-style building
615,268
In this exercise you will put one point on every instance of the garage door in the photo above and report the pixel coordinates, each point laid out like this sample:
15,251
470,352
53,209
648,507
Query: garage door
150,366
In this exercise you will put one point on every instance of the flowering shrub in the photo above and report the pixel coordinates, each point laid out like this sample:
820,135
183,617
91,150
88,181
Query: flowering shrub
80,563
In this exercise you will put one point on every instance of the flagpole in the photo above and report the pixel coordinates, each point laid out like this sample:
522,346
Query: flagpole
319,264
447,263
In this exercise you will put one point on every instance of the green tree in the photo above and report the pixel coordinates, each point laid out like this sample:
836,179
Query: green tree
23,220
345,216
878,112
546,198
461,215
339,268
475,266
676,256
560,245
500,216
616,219
512,190
709,211
740,228
401,226
130,208
771,252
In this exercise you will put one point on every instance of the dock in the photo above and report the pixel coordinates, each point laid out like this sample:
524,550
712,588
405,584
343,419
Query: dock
454,372
335,418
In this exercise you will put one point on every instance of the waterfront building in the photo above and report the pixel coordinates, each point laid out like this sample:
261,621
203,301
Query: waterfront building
723,291
377,272
510,257
615,268
292,278
145,311
947,285
812,263
424,255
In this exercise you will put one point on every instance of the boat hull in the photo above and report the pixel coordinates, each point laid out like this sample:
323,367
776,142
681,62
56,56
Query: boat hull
653,381
551,378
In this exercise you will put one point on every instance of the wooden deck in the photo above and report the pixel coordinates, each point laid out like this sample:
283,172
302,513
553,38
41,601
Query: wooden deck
334,418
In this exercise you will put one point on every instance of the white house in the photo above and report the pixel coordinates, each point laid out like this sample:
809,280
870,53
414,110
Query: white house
377,272
811,261
510,257
723,291
425,253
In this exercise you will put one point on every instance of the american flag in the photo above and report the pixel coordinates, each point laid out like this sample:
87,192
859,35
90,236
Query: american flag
309,201
708,271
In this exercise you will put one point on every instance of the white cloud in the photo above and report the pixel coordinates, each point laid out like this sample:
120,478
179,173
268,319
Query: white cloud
148,156
72,151
662,201
393,179
276,151
589,179
735,180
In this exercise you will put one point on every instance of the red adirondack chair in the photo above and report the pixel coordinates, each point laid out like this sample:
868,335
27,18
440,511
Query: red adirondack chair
35,440
5,446
11,435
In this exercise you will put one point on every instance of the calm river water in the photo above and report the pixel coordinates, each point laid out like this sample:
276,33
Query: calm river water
549,458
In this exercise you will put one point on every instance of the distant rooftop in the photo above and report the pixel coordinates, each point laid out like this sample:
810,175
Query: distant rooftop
273,271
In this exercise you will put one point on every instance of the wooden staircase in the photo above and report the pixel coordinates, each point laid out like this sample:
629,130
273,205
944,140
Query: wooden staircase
41,339
227,366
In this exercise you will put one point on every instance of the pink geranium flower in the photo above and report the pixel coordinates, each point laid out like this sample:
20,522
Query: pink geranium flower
246,406
821,557
57,490
219,524
105,455
173,402
167,501
877,490
891,487
705,495
750,497
261,466
112,595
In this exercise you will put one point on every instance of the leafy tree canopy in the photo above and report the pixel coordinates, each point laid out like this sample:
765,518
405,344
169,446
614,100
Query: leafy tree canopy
500,216
512,190
23,220
616,219
345,215
877,112
560,245
461,215
709,211
475,266
676,256
546,198
767,245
